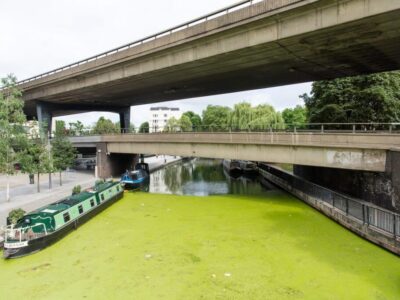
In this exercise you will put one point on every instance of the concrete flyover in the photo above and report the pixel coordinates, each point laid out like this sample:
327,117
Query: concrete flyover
364,152
252,45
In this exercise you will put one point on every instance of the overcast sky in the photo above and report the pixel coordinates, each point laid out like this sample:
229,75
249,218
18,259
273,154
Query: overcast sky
40,35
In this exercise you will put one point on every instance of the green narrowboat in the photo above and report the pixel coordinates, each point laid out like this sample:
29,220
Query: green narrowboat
45,226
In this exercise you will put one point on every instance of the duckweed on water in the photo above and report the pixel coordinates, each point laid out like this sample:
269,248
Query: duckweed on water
150,246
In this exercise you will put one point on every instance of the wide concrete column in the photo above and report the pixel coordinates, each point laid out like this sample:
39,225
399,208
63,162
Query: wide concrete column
380,188
45,117
113,165
125,119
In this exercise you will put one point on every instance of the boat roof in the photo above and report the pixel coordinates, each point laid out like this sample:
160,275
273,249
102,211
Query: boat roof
64,204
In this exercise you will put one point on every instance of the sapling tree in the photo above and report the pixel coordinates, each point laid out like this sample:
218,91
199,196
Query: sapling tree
36,158
12,132
63,153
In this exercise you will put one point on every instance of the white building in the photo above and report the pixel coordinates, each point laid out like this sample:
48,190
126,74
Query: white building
159,117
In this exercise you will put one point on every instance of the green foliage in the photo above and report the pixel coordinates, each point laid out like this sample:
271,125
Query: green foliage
36,158
216,117
60,129
172,125
63,153
261,117
185,124
105,126
144,127
15,215
13,136
98,182
76,128
295,116
76,190
195,119
361,99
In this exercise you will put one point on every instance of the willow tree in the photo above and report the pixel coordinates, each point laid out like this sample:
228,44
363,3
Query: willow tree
13,136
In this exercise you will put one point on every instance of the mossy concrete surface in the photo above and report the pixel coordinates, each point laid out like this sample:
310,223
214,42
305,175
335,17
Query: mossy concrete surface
150,246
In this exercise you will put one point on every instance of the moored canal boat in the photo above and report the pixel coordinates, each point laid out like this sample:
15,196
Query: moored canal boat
43,227
137,179
232,167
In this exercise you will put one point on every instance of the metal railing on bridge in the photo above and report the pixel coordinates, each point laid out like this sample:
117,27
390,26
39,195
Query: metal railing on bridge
215,14
366,213
321,128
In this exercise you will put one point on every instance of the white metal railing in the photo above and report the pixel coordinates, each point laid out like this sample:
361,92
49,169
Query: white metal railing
218,13
23,234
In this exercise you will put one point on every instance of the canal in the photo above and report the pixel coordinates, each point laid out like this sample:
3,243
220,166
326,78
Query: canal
238,240
204,177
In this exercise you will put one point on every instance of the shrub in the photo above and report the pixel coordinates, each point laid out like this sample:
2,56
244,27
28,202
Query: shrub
76,190
15,215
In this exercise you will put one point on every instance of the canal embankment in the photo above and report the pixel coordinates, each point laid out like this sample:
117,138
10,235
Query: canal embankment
375,224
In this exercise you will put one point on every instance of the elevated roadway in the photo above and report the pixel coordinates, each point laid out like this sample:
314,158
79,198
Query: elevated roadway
365,152
254,44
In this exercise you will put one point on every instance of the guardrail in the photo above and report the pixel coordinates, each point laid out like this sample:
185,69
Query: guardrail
368,214
322,128
215,14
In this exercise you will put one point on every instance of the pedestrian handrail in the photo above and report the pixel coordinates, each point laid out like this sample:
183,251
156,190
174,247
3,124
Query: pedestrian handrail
21,234
322,128
366,213
215,14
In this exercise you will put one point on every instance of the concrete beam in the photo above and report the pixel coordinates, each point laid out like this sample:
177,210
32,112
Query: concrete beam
342,158
254,47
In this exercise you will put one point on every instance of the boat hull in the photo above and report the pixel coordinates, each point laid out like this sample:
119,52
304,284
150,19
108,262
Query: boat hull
45,241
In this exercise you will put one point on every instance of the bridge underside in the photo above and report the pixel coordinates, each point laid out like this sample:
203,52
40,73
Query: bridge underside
322,40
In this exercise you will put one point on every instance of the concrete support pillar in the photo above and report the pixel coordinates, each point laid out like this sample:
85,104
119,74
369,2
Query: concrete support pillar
113,165
125,119
380,188
45,117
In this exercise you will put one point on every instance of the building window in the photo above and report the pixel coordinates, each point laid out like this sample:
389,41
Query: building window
92,203
102,197
165,115
80,209
66,217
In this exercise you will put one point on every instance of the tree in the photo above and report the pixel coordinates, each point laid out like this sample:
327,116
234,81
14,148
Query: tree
261,117
241,116
76,128
216,117
144,127
185,124
60,128
359,99
63,154
36,159
195,119
172,125
105,126
13,136
295,116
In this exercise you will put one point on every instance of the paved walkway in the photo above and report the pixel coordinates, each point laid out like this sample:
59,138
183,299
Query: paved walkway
25,196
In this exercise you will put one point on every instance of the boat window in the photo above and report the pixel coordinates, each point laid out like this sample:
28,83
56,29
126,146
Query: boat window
117,188
102,197
66,217
134,176
91,202
80,209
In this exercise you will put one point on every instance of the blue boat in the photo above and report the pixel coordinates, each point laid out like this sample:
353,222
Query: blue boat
138,179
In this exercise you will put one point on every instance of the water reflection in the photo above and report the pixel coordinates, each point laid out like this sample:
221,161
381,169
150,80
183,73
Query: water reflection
201,177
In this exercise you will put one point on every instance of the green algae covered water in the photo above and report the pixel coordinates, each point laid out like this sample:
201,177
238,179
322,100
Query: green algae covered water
157,246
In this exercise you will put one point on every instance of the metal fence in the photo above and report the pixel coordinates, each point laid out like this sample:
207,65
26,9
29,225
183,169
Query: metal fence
318,128
384,220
